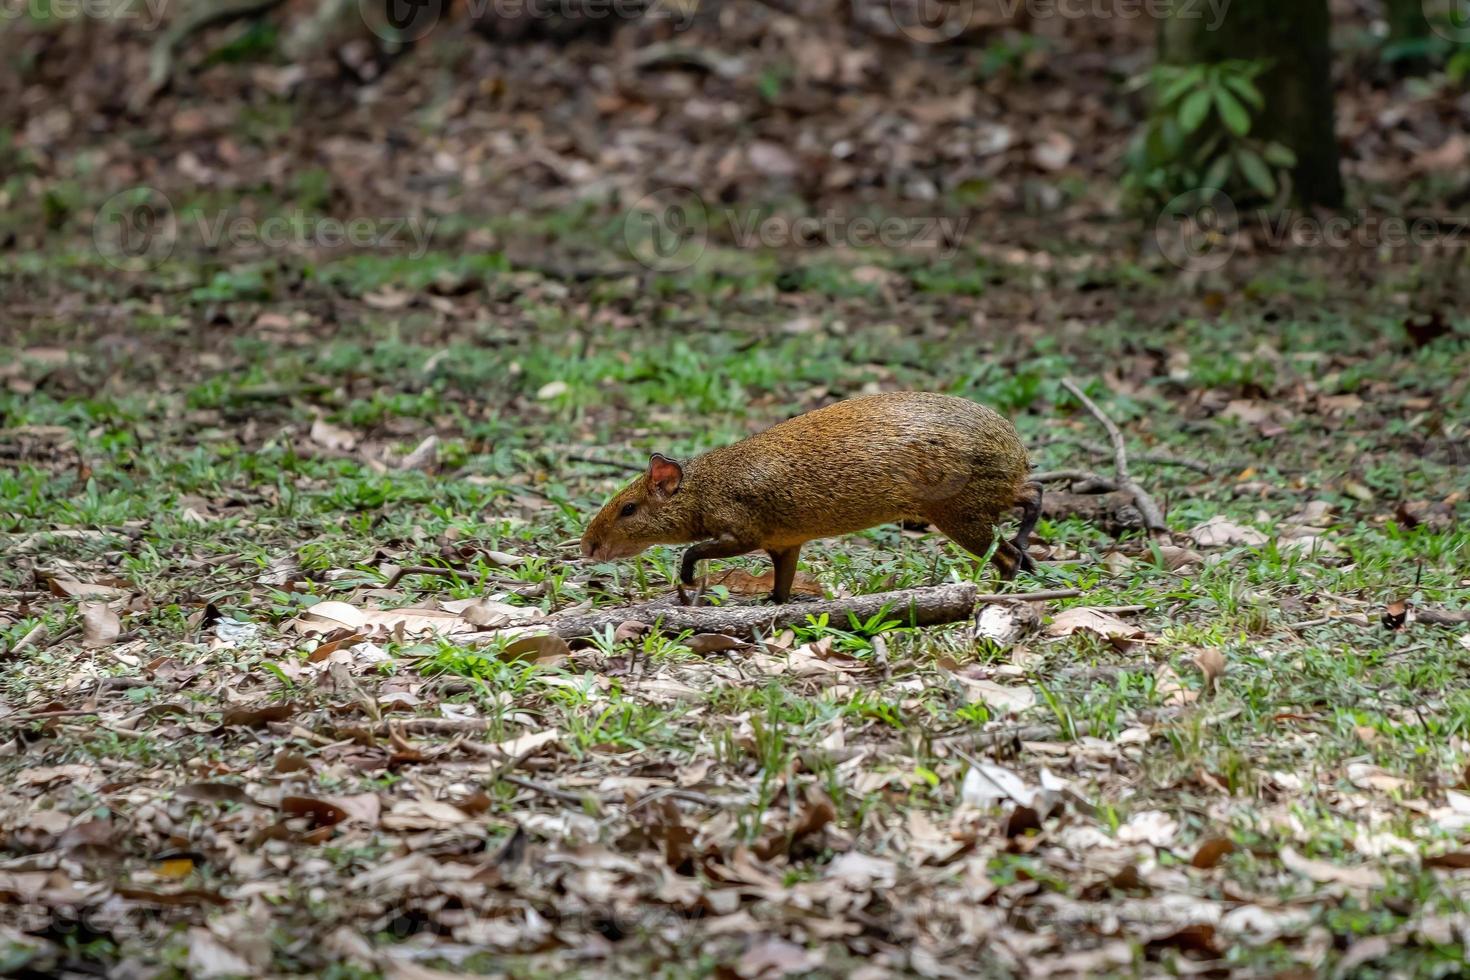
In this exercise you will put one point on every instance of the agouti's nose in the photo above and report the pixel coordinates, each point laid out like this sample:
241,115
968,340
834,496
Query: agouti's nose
587,548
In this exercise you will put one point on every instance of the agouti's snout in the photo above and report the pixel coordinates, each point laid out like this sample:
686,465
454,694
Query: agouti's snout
839,469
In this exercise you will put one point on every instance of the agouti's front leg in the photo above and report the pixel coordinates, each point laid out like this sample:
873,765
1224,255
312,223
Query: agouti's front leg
724,546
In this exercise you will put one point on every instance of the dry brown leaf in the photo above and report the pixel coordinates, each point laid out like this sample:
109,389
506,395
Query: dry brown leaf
281,571
1451,860
741,582
707,643
1084,619
546,650
1220,532
215,793
258,716
324,617
68,587
209,958
528,743
1325,872
1004,623
1362,951
318,812
425,456
1053,152
45,775
100,625
333,436
1367,776
1212,851
490,614
332,645
422,815
1153,827
1007,699
1211,663
1171,688
986,784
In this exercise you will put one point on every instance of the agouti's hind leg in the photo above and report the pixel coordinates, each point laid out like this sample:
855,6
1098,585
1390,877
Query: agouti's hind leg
1029,500
723,547
975,535
783,564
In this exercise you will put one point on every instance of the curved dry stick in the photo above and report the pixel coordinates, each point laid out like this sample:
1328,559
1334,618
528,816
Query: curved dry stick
1153,517
1097,480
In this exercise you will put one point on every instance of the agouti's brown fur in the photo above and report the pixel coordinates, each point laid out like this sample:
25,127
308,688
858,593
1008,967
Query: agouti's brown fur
843,468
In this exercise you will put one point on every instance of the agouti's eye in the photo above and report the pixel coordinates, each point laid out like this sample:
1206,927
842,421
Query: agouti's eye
627,510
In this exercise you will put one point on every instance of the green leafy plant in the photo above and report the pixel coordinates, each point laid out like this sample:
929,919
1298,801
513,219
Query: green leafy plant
1457,69
1198,135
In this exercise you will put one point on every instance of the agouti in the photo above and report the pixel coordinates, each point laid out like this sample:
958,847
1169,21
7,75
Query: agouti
843,468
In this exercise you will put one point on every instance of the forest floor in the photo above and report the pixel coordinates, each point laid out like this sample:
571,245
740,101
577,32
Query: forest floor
1240,749
1243,770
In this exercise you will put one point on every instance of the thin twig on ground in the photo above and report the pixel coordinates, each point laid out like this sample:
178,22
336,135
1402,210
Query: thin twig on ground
555,792
1041,596
1075,476
1019,733
406,570
1158,458
1153,517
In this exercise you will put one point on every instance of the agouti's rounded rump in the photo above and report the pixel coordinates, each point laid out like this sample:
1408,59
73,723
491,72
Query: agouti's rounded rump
843,468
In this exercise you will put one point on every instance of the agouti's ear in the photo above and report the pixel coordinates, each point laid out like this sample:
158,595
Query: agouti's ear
664,475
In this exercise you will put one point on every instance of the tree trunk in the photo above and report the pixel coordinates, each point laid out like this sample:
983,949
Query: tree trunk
1292,35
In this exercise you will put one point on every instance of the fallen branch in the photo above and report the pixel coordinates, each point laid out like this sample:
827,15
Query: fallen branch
1013,733
555,792
197,18
931,606
430,726
1095,481
1153,517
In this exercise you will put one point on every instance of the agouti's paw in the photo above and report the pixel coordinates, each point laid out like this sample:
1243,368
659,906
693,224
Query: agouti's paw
686,599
